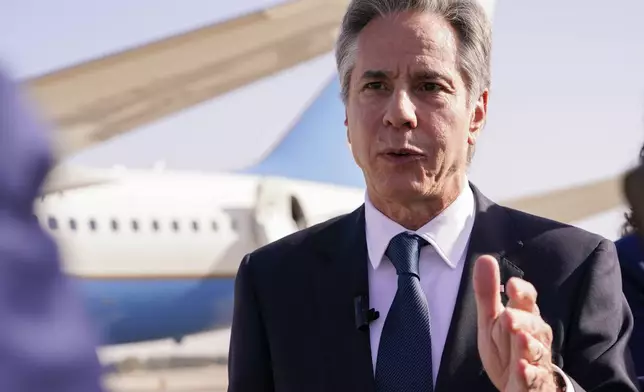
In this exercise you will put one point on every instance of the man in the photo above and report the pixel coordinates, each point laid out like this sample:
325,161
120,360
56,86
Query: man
46,343
427,250
631,253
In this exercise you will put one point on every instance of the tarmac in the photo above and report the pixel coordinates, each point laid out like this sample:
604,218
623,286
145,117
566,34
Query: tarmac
197,364
210,378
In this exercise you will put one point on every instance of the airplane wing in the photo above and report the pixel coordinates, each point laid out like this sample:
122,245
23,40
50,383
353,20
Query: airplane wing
100,99
575,203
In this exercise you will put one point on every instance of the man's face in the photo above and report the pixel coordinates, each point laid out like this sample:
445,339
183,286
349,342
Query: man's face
408,116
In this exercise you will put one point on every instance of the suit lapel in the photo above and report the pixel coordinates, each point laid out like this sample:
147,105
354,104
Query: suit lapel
341,277
461,368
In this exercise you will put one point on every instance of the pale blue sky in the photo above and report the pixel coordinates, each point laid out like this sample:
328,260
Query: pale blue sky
567,102
38,36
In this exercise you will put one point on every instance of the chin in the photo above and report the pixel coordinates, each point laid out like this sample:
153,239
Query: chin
403,188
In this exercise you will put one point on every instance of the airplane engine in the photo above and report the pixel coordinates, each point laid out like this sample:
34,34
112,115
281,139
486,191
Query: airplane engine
277,212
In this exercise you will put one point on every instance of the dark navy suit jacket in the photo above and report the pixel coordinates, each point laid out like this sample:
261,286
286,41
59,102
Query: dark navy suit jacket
46,343
631,257
295,326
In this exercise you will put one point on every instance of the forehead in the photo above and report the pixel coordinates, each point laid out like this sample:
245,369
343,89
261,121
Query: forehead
411,38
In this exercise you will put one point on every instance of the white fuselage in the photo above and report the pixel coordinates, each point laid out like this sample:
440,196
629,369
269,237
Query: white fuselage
156,244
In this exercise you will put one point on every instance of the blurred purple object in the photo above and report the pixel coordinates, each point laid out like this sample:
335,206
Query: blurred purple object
46,341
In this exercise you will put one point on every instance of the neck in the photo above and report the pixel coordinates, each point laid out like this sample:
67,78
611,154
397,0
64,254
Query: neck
414,213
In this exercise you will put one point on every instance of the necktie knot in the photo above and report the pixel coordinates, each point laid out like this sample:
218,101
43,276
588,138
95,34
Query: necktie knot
404,252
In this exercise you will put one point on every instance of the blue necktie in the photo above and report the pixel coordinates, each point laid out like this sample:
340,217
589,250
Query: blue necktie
405,355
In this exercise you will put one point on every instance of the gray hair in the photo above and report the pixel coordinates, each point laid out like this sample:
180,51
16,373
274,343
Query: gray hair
467,18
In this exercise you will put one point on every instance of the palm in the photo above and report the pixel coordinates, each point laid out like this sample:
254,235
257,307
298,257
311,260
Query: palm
495,353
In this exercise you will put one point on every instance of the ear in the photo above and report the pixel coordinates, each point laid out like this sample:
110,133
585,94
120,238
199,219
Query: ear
479,116
346,124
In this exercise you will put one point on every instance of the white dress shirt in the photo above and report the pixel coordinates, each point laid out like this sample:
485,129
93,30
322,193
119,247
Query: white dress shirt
440,267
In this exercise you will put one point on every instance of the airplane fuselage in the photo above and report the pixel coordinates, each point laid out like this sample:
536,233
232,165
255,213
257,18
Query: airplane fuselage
151,246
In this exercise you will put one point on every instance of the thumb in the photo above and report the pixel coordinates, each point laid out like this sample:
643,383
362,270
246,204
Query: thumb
487,281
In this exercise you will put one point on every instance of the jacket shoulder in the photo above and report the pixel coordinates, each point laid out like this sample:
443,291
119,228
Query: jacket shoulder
296,246
559,239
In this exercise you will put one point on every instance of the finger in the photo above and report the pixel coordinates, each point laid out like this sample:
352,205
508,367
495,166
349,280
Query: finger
516,321
534,378
487,279
522,295
530,349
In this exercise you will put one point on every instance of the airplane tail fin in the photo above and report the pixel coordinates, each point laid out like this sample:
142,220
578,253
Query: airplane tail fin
316,147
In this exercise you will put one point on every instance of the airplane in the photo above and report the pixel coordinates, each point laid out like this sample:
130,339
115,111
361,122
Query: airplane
146,246
154,252
135,287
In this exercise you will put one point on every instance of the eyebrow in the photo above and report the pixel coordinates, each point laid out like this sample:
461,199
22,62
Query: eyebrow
375,74
420,75
431,75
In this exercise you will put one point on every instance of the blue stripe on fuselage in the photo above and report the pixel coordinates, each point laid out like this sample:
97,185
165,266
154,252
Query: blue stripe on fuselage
131,310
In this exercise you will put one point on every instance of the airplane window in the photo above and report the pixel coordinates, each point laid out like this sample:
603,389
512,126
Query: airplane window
175,225
72,224
155,225
195,225
214,226
53,224
135,225
115,225
92,224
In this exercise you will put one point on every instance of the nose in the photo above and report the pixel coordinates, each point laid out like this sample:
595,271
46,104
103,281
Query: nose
401,112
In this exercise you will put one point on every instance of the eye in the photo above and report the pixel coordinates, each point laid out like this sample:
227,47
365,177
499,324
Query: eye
431,87
374,86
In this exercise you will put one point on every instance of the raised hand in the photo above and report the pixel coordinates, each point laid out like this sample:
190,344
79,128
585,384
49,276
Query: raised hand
513,341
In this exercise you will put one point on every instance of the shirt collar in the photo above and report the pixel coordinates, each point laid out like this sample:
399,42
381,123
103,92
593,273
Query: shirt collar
448,233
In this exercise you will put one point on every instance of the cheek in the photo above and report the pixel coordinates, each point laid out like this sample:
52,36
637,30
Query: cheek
359,143
363,133
436,130
447,132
